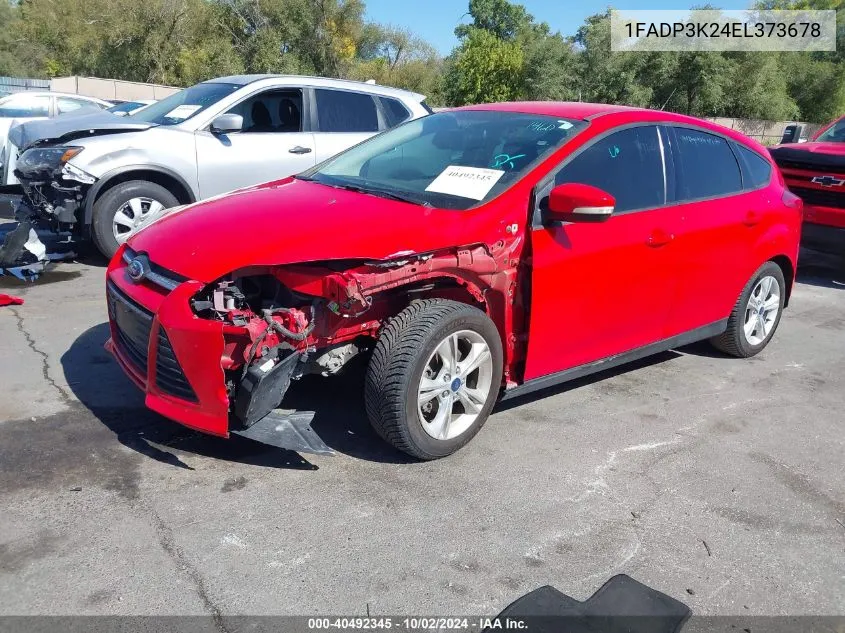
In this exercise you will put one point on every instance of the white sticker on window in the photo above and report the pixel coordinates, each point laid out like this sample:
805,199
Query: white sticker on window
182,111
466,182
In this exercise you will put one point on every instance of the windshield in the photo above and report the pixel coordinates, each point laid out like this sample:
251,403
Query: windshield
185,104
128,106
834,134
452,160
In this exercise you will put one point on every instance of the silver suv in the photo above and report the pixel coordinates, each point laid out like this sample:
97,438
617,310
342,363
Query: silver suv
101,176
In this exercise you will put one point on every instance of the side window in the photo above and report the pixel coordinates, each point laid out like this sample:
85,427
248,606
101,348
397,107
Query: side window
627,164
706,166
341,111
271,111
394,110
65,104
757,169
24,105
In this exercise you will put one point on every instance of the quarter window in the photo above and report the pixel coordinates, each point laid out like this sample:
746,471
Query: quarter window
707,167
627,164
395,111
65,104
757,168
342,111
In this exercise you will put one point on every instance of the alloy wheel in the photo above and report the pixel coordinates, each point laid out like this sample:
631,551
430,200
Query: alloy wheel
455,385
762,310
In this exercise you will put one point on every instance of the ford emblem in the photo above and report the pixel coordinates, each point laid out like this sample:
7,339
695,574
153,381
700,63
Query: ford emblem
137,269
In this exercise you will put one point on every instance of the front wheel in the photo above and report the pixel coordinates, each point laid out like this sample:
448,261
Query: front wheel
434,377
124,208
756,315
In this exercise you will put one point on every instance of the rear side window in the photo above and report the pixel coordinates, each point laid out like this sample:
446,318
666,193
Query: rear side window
758,171
24,105
341,111
395,111
65,104
627,164
707,167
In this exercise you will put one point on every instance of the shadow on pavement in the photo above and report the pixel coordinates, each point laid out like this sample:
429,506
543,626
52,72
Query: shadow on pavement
100,385
821,269
587,380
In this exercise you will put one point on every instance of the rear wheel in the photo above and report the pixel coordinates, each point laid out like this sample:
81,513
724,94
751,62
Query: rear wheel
434,377
124,208
756,315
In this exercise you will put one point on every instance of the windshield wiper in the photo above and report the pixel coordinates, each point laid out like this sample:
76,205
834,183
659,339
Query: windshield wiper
381,193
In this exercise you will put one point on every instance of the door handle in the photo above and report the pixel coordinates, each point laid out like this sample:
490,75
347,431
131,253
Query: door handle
659,237
752,218
300,150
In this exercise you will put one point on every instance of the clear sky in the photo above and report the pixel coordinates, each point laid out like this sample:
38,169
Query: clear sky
435,20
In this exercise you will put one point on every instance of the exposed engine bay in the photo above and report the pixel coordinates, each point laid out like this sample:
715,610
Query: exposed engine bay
281,323
48,215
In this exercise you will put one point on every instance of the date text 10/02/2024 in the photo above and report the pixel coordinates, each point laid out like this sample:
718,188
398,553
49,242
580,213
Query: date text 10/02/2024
417,624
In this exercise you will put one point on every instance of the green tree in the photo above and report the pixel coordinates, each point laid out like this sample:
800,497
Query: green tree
484,68
498,17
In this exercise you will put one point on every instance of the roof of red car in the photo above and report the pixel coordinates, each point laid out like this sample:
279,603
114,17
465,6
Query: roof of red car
566,109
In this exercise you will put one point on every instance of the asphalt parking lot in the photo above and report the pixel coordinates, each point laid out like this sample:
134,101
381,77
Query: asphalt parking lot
715,480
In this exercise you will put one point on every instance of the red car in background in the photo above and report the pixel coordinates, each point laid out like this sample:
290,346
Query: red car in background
475,254
815,171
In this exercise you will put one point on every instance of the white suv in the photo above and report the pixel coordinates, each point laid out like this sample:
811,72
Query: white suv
105,175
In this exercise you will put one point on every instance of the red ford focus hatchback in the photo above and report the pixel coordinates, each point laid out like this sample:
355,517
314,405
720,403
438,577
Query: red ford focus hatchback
473,255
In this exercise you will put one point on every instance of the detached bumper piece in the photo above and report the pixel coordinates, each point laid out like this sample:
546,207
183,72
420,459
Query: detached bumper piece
289,430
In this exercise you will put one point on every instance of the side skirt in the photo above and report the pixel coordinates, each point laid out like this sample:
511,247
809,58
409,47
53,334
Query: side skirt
550,380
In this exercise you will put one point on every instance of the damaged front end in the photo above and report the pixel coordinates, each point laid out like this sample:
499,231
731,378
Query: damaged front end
265,326
54,191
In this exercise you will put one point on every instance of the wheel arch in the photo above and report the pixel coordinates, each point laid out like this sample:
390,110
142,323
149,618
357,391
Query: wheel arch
162,176
788,270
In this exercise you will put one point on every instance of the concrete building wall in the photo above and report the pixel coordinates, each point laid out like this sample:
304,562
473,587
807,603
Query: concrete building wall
110,88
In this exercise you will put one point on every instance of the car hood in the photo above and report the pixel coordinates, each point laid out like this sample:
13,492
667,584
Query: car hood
815,147
72,126
294,221
815,154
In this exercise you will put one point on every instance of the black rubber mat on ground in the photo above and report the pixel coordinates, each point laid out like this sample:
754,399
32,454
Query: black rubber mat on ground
621,605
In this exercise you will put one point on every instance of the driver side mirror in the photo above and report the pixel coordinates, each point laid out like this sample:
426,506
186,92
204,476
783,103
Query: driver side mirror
227,123
574,202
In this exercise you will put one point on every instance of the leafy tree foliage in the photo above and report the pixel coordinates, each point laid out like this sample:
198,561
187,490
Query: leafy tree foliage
503,53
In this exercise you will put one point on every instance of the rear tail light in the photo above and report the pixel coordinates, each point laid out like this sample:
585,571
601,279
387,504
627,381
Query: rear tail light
791,200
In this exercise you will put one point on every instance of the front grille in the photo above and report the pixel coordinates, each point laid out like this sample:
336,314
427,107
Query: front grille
819,197
132,325
169,375
823,166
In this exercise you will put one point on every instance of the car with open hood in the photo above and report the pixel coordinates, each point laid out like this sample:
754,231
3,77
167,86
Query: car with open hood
475,254
102,176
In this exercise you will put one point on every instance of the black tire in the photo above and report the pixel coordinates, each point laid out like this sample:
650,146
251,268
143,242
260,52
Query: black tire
108,204
397,366
733,341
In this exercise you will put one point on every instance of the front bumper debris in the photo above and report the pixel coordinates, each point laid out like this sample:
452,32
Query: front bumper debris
290,430
183,365
25,252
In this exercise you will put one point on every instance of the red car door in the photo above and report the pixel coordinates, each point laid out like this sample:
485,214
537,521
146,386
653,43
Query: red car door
602,289
721,223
